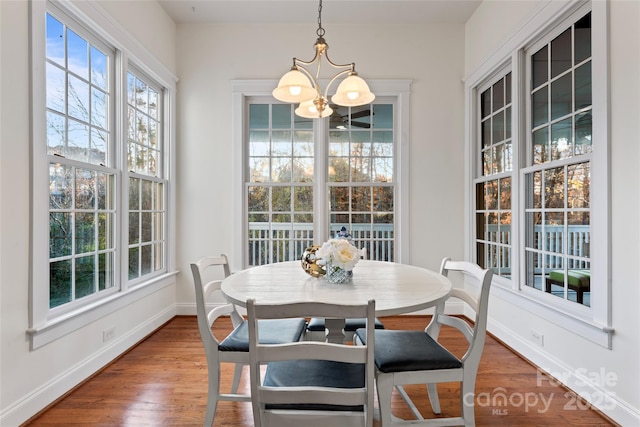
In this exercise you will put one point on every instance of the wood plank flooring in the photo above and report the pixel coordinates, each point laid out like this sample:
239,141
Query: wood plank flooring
163,382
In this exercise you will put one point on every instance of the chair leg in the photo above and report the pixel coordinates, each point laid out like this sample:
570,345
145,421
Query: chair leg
384,385
432,390
467,403
212,397
237,373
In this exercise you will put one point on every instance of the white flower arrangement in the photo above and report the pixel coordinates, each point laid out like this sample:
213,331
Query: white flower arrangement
340,253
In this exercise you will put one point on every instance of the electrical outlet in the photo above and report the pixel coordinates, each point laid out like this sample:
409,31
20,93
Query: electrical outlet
537,337
108,334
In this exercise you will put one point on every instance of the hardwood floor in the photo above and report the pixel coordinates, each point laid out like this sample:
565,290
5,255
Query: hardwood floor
163,382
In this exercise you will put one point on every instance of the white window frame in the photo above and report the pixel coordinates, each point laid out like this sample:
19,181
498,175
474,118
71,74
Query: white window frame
399,90
45,326
593,323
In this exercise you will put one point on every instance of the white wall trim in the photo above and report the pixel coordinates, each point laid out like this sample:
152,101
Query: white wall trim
32,403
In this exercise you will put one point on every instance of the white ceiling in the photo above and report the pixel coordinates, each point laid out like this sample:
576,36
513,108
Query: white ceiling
333,11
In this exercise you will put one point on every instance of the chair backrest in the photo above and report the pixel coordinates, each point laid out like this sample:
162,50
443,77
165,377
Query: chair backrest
203,290
475,335
310,393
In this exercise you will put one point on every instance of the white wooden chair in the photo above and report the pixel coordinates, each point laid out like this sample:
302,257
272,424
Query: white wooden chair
317,330
311,383
235,347
416,357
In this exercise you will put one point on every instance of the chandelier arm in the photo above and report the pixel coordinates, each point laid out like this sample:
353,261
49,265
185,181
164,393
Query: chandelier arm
351,66
314,81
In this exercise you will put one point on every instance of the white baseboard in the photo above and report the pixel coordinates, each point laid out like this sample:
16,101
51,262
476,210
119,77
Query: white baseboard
577,380
37,400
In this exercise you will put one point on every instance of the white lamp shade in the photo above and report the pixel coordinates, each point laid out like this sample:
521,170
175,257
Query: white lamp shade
308,110
353,91
294,87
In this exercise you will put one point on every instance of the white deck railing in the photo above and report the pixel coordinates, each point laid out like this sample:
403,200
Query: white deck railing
274,242
577,253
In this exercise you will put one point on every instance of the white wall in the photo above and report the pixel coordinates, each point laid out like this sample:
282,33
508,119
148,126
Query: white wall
564,352
210,56
29,380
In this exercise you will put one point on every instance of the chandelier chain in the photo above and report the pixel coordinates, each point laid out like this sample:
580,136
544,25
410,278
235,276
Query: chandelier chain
320,31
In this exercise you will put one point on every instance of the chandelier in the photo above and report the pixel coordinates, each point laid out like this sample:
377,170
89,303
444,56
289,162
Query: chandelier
300,86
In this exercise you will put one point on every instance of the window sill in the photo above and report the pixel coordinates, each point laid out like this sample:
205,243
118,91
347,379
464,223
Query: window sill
59,327
579,325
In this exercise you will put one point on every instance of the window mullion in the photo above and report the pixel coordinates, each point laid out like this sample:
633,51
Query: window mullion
321,190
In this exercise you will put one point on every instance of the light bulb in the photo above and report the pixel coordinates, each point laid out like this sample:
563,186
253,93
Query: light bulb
352,95
295,90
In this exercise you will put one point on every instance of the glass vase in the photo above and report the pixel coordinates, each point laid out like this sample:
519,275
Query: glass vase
337,275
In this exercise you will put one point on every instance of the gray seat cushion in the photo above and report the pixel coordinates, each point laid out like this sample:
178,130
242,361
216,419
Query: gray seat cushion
317,324
320,373
274,331
402,351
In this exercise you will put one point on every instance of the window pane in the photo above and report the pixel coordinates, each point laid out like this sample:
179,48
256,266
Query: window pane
583,86
85,276
540,66
383,116
55,40
498,95
258,116
561,53
60,234
303,199
583,38
78,99
85,232
540,102
561,95
59,283
578,179
583,133
561,140
554,188
56,88
281,116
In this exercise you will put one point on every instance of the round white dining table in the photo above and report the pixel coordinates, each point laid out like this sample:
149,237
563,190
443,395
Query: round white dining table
396,288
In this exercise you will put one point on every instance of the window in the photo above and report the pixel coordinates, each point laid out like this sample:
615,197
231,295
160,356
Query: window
79,90
540,168
362,185
99,163
146,187
557,176
302,180
282,180
493,187
280,184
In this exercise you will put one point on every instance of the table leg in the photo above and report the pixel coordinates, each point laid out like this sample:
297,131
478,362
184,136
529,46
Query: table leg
335,332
